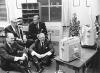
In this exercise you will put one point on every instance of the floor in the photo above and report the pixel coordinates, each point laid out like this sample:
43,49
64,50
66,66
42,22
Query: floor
52,68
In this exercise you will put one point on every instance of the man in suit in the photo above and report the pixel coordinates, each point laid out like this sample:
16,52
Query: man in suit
13,28
42,52
37,27
17,32
9,53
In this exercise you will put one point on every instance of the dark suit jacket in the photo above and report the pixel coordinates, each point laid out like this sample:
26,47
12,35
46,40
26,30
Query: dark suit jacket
16,34
33,30
7,53
42,49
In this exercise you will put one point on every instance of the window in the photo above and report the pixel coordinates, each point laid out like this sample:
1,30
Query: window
3,12
51,10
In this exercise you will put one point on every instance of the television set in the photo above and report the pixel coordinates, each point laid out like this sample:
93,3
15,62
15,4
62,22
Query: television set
70,49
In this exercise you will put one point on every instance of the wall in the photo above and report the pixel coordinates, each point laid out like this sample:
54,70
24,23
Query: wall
12,11
55,28
98,5
86,14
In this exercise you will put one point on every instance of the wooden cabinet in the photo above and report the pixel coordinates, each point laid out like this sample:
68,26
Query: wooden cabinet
29,10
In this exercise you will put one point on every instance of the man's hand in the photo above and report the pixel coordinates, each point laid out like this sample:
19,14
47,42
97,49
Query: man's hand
22,58
36,54
19,58
24,38
33,53
40,56
25,55
48,53
16,58
43,55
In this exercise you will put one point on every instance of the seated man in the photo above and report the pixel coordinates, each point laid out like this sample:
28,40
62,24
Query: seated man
9,53
17,32
42,52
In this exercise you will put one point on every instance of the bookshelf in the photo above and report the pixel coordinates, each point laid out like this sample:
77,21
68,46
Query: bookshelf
29,10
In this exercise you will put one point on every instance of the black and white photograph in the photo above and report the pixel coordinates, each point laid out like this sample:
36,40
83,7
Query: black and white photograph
49,36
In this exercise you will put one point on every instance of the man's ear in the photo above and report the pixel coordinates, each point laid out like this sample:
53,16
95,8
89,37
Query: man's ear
38,36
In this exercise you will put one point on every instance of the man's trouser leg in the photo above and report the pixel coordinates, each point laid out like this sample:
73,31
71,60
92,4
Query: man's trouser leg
14,67
46,60
37,63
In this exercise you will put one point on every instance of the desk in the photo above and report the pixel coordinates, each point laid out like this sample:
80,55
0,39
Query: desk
77,65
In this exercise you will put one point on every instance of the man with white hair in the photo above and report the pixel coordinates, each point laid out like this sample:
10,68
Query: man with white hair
14,28
9,53
42,52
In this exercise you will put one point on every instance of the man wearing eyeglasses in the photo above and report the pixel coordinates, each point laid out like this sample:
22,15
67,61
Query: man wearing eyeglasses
42,52
9,53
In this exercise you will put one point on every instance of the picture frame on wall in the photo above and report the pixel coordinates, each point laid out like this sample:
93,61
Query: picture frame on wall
19,2
76,3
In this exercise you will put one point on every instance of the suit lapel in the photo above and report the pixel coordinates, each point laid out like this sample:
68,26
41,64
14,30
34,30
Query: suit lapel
9,47
14,31
18,33
45,43
10,29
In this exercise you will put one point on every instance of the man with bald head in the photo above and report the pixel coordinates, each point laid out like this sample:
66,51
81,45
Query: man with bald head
42,52
9,53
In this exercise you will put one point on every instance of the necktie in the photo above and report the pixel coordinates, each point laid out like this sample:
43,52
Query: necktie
42,44
37,26
18,32
10,47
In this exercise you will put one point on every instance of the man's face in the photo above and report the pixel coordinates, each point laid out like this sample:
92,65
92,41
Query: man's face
14,24
19,21
10,38
41,37
36,19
